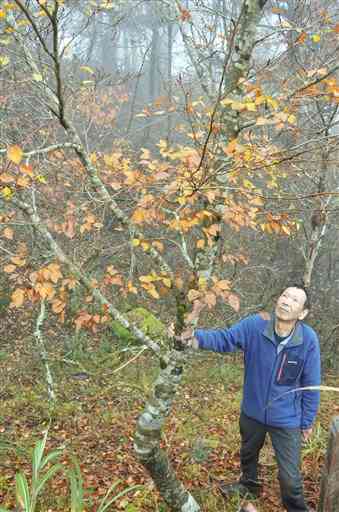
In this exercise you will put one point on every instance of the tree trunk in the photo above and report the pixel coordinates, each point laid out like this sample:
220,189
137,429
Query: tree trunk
148,435
329,494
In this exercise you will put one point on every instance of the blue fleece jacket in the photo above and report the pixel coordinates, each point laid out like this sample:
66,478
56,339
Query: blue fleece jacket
269,374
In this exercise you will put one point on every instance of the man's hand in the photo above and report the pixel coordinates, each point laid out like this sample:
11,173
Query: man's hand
306,434
186,337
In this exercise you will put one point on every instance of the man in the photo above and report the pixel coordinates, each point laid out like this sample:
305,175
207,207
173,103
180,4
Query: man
281,353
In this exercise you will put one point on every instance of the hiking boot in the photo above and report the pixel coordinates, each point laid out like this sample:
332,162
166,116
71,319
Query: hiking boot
252,490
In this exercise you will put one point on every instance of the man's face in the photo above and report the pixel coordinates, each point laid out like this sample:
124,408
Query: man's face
291,305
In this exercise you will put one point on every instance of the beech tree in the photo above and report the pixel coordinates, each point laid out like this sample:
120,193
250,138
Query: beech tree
169,206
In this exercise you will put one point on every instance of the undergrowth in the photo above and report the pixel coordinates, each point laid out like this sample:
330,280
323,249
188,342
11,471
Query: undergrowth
93,423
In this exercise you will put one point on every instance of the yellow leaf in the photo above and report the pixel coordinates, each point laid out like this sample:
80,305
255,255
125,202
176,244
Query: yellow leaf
200,244
167,282
37,77
251,107
248,184
8,233
202,282
18,297
292,119
87,69
14,154
93,158
272,102
285,229
135,242
146,279
193,295
18,261
139,216
4,60
145,155
9,268
237,105
5,41
145,246
316,38
40,178
2,13
226,101
152,291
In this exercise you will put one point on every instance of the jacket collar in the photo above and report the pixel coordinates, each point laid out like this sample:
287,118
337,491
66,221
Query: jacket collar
296,338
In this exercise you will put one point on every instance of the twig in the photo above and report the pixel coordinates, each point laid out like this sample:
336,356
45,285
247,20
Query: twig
130,360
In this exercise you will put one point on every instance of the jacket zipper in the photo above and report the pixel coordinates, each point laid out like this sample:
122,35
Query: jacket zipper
272,376
281,367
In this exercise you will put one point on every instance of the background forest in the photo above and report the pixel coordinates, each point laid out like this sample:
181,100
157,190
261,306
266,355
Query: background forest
162,162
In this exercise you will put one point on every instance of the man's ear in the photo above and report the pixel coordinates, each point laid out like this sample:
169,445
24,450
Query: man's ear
303,314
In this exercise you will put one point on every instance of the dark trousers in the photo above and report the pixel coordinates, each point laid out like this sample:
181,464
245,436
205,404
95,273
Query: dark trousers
287,447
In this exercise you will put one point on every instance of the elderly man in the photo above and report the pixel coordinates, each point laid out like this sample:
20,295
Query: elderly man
281,353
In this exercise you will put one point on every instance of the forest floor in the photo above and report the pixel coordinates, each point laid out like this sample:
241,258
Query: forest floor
94,420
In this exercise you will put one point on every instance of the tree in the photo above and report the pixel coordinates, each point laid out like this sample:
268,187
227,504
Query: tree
174,205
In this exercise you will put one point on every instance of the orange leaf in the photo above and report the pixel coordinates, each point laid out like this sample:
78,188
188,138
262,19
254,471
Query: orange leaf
234,301
210,299
139,216
14,154
301,38
6,178
54,271
22,181
45,290
9,268
277,10
27,169
58,306
158,245
185,15
69,227
179,283
8,233
18,297
131,288
223,284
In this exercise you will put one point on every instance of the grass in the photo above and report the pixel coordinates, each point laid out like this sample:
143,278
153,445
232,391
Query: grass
94,421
